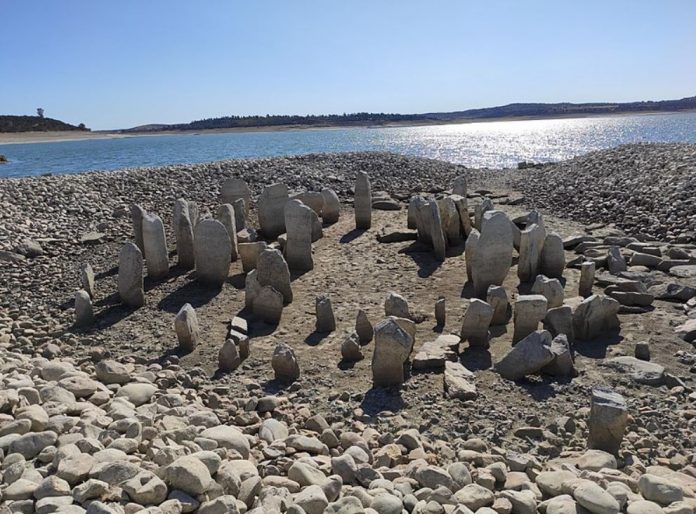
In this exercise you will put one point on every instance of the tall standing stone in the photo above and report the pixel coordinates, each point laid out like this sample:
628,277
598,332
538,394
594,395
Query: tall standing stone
497,298
180,207
393,345
155,246
363,327
186,327
459,186
529,311
440,311
587,274
240,214
272,270
87,278
553,257
472,244
225,215
298,247
332,206
184,241
412,213
137,215
492,252
481,209
531,246
234,189
84,314
249,254
451,224
212,249
463,210
363,202
312,199
608,420
551,288
130,276
476,322
326,322
271,210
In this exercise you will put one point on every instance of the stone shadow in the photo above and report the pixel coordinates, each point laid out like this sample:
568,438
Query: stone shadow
597,348
467,290
476,359
150,283
380,399
352,235
315,338
237,281
423,257
540,388
113,313
106,273
194,292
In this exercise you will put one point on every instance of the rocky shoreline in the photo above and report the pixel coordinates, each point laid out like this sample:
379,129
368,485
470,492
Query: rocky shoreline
112,418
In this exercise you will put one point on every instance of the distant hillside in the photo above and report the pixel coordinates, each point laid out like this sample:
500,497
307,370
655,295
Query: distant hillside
34,124
518,110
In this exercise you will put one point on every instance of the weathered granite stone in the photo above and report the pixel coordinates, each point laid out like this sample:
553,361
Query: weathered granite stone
298,247
463,210
312,199
130,276
553,256
437,235
528,312
472,244
268,305
225,215
212,249
284,362
249,254
559,320
84,314
350,348
87,278
396,305
363,327
326,322
363,202
332,206
317,228
615,261
476,322
184,241
528,356
393,345
562,364
587,274
137,215
155,243
271,210
186,327
458,382
595,316
607,421
491,253
240,214
497,298
234,189
531,247
551,288
459,186
481,209
180,207
451,224
412,213
434,354
228,356
440,312
272,270
252,288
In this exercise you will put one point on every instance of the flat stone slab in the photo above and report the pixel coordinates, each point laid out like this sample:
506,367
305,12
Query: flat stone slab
686,271
642,372
457,382
435,354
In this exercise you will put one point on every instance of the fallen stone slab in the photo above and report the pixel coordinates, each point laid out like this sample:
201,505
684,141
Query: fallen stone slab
528,356
435,354
672,291
687,271
458,382
642,372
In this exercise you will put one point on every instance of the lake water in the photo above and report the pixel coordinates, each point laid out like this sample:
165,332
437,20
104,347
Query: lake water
490,144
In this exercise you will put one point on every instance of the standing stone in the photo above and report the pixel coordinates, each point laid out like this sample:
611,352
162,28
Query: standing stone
271,210
608,420
284,362
436,233
492,252
332,207
551,288
298,247
472,244
272,270
312,199
212,249
422,219
363,202
234,189
528,312
412,213
180,207
615,261
87,278
268,305
363,327
326,322
459,186
137,215
595,316
155,246
553,257
225,215
463,210
559,320
184,242
529,356
194,213
396,305
497,298
84,314
317,228
228,356
587,273
130,276
481,209
476,322
451,224
440,311
562,364
531,246
393,345
350,348
186,327
249,254
240,214
252,288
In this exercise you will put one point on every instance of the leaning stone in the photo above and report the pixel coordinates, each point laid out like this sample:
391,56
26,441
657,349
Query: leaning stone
130,276
595,316
212,250
531,247
284,362
326,322
396,305
550,288
186,327
229,358
528,356
137,215
298,247
268,305
458,382
553,256
234,189
184,242
497,298
362,202
492,255
393,345
271,210
350,348
363,327
451,224
607,421
529,311
559,320
476,322
440,312
272,270
332,206
562,364
225,215
87,278
587,275
155,243
84,314
249,254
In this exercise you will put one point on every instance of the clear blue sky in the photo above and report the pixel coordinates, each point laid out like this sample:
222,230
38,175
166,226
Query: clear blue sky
121,63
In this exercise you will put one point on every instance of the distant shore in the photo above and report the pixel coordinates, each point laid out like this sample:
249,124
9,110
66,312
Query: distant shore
9,138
